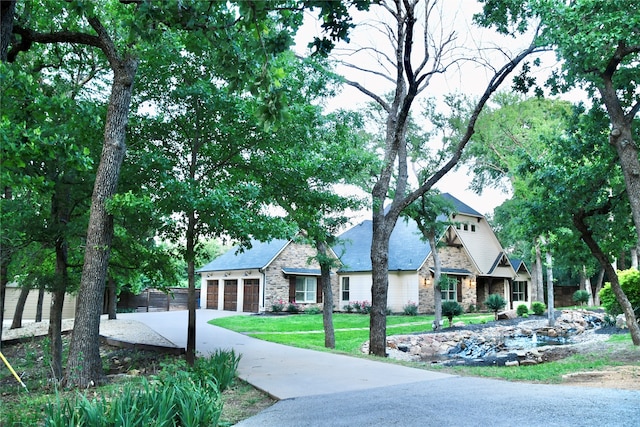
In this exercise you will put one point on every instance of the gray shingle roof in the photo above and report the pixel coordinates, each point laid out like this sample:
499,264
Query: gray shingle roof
260,254
407,251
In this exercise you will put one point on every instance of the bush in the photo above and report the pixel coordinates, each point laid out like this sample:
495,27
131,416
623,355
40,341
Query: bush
312,309
522,309
221,365
410,309
538,308
292,307
581,296
365,306
357,307
471,308
450,309
630,284
177,398
348,308
495,303
277,306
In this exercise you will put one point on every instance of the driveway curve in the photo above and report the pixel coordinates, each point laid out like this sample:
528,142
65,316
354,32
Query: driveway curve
318,388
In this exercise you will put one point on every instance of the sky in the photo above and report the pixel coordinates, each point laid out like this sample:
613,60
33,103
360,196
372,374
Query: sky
468,78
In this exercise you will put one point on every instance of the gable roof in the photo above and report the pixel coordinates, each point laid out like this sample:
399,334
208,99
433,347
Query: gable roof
259,256
461,207
407,250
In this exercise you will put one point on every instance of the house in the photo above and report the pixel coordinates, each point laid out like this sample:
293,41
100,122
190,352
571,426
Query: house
253,280
471,256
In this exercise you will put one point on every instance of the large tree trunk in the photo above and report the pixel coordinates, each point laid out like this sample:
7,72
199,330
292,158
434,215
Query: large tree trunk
40,303
7,12
111,298
586,280
599,284
84,367
549,265
57,302
437,294
191,293
550,299
539,285
17,315
605,263
621,137
382,227
327,296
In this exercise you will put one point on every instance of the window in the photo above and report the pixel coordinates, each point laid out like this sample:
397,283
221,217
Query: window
473,227
345,289
519,291
448,288
306,288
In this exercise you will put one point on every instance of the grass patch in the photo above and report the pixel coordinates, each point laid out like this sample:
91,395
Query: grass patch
306,331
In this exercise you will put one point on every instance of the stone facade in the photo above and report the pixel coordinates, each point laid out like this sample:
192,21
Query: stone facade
450,257
294,255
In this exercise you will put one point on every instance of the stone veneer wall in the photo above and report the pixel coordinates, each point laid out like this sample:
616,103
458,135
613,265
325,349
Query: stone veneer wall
295,255
450,257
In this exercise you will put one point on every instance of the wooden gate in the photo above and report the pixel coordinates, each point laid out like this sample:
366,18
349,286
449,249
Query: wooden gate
230,295
212,294
251,297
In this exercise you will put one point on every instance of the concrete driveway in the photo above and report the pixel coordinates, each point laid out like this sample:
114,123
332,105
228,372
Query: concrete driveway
323,389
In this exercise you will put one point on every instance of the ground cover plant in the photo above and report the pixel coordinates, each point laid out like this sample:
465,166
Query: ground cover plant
142,383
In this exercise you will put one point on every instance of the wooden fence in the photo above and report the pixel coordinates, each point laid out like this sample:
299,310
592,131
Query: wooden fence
155,300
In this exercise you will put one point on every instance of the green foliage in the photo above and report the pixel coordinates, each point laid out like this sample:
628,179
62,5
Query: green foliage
630,284
538,308
292,307
410,309
581,296
277,306
450,309
495,303
522,310
221,365
312,309
175,400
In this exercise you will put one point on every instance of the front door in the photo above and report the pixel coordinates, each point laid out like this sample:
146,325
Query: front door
231,295
251,295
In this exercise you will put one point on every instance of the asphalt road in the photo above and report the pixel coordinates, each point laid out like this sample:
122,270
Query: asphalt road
324,389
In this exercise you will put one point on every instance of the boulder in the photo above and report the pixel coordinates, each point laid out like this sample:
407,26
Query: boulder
507,314
621,321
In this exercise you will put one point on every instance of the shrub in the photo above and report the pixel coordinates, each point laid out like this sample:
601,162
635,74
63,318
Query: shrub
357,307
495,303
348,308
175,399
410,309
538,308
630,284
277,306
471,308
522,309
581,296
292,307
365,306
451,309
222,365
312,309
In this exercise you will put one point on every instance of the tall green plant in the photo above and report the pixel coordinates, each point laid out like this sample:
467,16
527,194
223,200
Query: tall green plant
495,303
450,309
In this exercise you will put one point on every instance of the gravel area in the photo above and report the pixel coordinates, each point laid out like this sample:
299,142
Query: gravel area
129,331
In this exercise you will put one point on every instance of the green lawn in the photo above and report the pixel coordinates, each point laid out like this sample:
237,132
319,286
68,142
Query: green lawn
306,331
352,330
